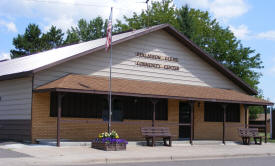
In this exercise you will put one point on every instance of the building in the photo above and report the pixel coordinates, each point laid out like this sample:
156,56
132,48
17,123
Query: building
259,122
155,67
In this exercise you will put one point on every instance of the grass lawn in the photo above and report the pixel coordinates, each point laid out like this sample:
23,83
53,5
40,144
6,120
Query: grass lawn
268,137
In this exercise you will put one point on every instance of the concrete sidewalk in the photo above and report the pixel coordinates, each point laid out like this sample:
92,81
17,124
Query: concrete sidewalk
76,155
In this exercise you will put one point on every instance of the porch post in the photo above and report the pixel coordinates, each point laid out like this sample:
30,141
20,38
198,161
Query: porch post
245,115
154,112
154,118
224,119
265,122
191,121
59,110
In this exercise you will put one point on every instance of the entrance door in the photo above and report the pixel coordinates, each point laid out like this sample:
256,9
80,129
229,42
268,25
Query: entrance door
184,117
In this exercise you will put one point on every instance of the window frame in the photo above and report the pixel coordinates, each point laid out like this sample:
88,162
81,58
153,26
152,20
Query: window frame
133,108
215,114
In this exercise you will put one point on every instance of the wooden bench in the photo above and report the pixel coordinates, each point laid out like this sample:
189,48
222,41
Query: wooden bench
248,133
151,133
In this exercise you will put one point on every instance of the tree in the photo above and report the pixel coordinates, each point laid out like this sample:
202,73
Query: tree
220,43
72,37
33,41
185,21
53,38
28,43
86,31
158,13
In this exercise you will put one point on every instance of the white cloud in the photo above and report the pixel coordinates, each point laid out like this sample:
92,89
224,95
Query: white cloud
269,35
4,56
227,9
64,22
221,9
66,13
10,26
198,3
241,32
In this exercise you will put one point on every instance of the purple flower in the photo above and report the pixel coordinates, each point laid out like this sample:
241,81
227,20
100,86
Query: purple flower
110,140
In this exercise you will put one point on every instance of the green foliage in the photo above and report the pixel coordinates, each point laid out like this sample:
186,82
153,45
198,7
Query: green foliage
220,43
185,21
158,13
33,41
53,38
28,43
86,31
72,37
254,111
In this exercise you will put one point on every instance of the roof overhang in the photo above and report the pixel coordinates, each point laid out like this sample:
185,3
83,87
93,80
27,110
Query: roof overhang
16,75
99,85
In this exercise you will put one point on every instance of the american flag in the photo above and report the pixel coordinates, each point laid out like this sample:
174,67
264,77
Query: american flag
109,31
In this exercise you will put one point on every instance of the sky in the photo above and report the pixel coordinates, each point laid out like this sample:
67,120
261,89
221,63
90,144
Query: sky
250,20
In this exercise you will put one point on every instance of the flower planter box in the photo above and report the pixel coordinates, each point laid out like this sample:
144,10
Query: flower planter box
109,146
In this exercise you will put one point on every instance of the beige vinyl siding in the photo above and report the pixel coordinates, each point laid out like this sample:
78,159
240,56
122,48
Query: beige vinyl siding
16,96
193,70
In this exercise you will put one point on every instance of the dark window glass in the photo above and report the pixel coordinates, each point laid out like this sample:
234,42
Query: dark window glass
138,108
78,105
213,112
233,113
97,106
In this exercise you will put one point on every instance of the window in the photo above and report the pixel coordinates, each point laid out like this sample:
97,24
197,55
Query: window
78,105
117,110
138,108
97,106
213,112
233,113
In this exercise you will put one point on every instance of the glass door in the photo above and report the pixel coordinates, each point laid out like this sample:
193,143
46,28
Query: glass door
185,118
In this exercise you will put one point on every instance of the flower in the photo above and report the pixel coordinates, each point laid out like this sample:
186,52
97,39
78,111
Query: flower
110,138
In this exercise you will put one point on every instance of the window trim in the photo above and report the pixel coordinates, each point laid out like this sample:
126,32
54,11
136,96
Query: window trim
220,111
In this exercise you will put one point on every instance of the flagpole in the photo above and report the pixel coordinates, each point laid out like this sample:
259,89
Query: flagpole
110,80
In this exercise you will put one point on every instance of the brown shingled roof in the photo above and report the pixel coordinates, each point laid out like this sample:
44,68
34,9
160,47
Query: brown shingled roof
95,84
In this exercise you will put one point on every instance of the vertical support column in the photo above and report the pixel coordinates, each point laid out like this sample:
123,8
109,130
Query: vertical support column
245,115
154,112
154,118
58,119
224,119
265,122
191,103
